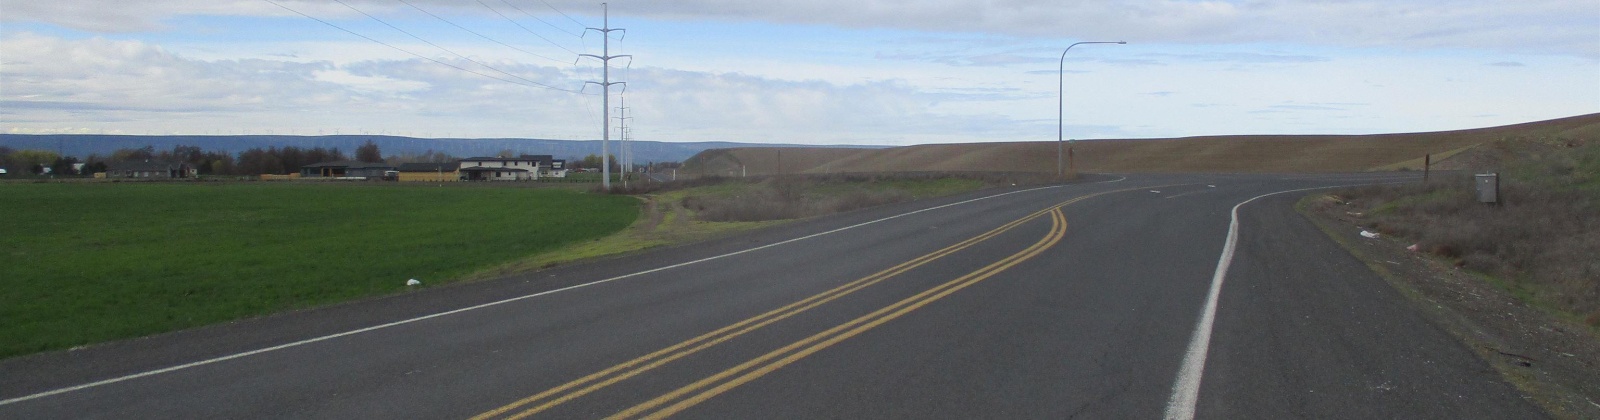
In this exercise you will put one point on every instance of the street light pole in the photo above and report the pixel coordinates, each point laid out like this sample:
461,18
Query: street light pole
1061,104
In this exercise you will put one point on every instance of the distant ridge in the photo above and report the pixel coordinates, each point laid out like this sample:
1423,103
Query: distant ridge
82,145
1252,153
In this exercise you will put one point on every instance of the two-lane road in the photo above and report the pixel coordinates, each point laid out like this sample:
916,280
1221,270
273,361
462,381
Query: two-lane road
1096,299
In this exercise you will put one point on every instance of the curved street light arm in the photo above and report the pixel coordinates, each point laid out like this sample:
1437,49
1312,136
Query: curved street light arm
1061,98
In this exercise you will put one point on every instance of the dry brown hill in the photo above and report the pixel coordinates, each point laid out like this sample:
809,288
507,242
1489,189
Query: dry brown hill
1258,153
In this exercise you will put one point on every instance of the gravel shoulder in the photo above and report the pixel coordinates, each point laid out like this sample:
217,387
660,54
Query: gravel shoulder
1554,362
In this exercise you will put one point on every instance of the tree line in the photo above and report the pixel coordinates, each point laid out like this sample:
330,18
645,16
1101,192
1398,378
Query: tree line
254,161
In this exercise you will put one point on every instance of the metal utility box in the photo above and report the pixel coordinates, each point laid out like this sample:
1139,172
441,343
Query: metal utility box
1488,188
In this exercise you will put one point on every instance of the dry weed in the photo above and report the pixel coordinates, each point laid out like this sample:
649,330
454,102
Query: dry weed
1542,240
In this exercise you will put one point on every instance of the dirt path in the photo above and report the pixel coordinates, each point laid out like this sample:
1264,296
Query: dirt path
653,214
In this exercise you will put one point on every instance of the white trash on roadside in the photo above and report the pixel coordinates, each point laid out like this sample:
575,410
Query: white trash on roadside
1369,235
413,282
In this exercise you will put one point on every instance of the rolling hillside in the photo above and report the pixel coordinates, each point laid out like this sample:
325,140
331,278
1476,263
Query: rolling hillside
1261,153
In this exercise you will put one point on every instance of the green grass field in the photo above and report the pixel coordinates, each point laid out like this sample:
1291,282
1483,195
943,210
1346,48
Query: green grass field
85,263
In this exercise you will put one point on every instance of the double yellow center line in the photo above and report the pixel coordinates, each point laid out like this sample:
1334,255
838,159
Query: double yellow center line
762,365
779,358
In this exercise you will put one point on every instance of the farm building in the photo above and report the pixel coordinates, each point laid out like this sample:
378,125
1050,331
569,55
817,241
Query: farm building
345,169
430,172
150,169
500,169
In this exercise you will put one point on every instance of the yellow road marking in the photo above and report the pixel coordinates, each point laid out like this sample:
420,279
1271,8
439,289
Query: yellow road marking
637,366
661,357
838,333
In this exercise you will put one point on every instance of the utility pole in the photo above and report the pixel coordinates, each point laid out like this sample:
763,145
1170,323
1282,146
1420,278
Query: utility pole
605,91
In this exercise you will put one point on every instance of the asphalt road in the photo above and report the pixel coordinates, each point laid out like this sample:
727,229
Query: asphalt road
1100,299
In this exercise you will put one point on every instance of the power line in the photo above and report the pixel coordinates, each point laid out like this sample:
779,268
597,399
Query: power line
519,25
519,9
588,105
441,19
463,57
330,24
547,4
622,47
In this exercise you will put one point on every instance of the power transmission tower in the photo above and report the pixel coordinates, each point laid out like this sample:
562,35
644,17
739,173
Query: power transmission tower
605,91
626,161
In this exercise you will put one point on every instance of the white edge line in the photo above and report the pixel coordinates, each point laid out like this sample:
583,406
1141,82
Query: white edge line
1186,391
480,306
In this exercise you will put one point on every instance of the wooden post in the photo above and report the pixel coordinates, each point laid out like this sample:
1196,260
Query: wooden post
1072,169
1427,166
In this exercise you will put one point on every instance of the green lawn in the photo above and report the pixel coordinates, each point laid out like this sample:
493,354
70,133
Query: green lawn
85,263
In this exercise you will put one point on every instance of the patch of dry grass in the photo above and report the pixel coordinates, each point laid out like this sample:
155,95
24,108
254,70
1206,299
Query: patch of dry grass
1541,243
698,209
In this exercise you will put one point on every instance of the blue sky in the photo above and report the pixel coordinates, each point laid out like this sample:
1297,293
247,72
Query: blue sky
792,71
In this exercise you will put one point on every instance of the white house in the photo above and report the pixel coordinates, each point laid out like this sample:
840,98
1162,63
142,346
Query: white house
549,166
500,169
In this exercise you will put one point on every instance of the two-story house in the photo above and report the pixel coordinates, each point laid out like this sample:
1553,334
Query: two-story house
549,166
500,169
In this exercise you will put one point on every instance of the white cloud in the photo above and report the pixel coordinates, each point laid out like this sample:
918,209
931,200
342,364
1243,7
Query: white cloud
52,80
380,84
132,75
984,70
760,109
134,86
118,16
1553,26
1550,26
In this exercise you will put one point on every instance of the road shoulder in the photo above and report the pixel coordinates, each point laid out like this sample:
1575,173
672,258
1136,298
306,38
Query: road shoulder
1556,363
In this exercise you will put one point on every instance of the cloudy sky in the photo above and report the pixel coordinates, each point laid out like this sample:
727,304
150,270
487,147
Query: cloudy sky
794,71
